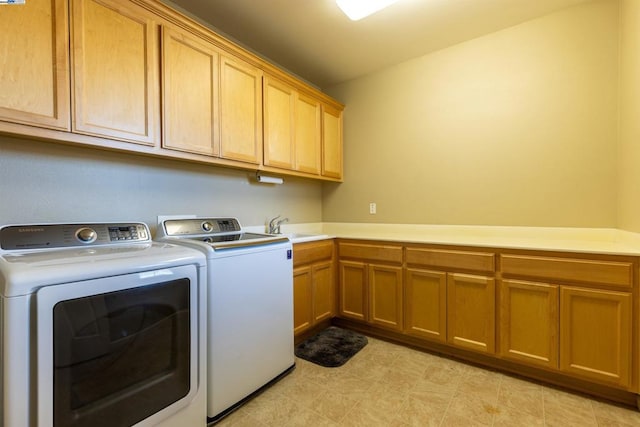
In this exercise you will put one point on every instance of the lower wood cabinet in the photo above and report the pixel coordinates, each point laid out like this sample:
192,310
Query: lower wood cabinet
372,293
370,286
385,298
595,334
354,292
313,284
529,322
569,314
426,304
451,307
471,312
582,332
302,299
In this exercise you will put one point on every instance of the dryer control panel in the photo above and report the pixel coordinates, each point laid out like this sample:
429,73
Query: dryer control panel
49,236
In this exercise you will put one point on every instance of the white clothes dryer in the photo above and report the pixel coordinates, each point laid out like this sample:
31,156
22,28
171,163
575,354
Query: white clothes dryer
100,326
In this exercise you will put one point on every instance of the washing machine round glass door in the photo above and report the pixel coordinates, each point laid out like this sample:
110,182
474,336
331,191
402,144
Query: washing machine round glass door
117,351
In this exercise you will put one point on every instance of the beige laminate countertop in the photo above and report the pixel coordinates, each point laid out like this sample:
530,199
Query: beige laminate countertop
587,240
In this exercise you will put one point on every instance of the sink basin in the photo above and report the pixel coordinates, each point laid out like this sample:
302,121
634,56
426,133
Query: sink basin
304,237
299,235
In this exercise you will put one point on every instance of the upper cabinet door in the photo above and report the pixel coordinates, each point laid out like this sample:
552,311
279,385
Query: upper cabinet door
115,71
279,107
190,93
331,142
240,111
34,76
292,128
308,135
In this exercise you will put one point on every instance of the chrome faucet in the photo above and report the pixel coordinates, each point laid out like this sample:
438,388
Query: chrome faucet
274,224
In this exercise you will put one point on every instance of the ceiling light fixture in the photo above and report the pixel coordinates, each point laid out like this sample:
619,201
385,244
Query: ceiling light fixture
358,9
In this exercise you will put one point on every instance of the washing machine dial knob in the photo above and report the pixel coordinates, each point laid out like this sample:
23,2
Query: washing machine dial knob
207,226
86,235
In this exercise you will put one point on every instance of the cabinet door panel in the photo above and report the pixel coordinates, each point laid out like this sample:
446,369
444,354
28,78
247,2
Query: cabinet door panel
426,304
115,71
595,334
302,297
240,111
279,106
308,135
353,290
529,322
471,312
323,291
385,290
190,93
331,142
34,81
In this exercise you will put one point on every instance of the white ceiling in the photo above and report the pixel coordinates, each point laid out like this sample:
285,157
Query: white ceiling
313,39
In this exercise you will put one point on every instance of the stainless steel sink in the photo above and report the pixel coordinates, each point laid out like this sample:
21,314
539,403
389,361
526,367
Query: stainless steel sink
304,237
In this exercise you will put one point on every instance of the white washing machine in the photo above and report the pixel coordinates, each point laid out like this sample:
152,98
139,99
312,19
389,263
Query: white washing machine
250,303
100,326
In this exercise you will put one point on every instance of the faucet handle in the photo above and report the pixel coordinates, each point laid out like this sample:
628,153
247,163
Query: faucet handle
273,224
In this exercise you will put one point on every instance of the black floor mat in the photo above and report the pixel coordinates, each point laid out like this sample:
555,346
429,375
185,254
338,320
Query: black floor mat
332,347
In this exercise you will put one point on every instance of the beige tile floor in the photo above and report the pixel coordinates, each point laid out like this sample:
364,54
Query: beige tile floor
390,385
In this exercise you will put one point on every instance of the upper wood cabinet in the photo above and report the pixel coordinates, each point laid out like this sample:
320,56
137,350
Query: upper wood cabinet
34,79
212,103
240,111
292,131
308,135
115,71
137,76
279,121
331,142
190,69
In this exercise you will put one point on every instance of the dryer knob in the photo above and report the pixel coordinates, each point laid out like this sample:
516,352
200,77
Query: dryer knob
207,226
86,235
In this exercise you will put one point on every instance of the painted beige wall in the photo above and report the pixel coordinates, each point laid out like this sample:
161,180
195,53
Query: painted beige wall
46,182
518,127
629,144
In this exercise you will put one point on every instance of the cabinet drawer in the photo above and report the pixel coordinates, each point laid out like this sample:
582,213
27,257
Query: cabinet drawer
307,253
384,253
477,261
578,270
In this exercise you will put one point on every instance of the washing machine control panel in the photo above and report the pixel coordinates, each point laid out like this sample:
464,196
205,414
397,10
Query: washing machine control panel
201,226
47,236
